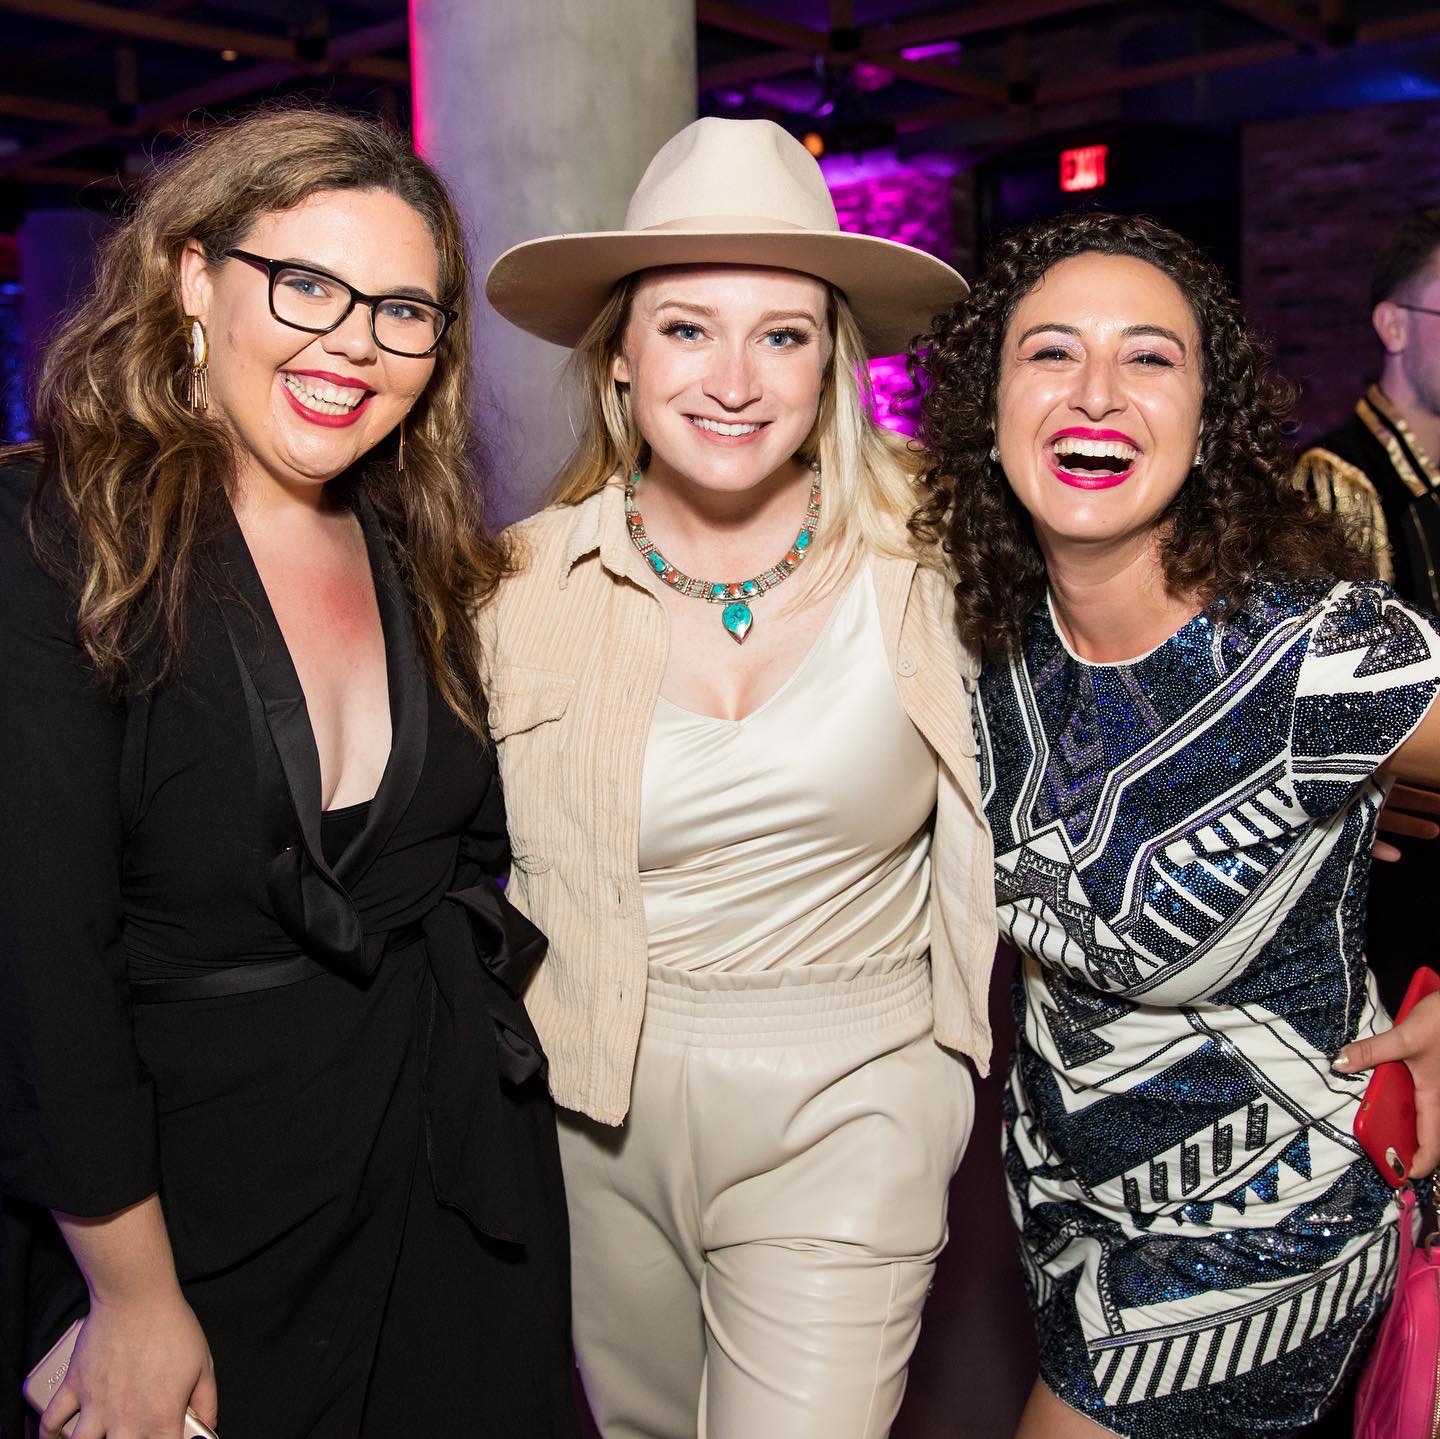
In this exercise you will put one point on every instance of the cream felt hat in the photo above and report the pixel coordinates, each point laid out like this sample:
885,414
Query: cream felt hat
725,192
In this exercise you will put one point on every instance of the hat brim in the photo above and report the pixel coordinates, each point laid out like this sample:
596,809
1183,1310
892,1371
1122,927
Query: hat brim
555,287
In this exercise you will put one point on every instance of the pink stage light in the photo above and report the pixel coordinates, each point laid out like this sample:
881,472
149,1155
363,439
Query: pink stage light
896,202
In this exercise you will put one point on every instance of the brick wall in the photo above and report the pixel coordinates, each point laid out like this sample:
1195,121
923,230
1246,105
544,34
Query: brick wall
1319,194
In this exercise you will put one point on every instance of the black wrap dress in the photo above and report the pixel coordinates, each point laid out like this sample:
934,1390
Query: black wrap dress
304,1032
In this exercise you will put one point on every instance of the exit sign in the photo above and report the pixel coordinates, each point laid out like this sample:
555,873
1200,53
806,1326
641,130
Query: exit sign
1083,169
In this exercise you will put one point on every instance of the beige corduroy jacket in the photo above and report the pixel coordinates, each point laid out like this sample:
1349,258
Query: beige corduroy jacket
574,648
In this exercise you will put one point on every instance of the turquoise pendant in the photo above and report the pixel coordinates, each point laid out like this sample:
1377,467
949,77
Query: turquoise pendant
737,619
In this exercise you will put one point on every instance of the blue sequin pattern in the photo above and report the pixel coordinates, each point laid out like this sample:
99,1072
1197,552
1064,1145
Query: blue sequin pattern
1182,854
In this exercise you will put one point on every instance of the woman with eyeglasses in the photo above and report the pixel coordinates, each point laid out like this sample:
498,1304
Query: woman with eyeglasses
271,1116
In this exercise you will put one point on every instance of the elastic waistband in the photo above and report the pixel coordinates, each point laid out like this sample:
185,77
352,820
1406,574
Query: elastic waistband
775,1006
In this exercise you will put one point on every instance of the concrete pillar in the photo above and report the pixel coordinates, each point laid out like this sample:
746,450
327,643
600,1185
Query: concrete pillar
542,114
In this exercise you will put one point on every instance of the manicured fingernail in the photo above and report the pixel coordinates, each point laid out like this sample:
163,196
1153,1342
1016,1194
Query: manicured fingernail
1341,1062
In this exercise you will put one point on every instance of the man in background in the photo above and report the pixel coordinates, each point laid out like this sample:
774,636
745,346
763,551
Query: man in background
1377,468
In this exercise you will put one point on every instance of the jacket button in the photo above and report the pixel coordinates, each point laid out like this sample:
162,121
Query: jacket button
905,666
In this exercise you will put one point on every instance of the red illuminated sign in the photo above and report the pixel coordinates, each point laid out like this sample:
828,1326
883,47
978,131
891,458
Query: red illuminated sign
1083,169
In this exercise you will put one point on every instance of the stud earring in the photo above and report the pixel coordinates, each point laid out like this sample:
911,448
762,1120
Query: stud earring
400,451
199,393
995,454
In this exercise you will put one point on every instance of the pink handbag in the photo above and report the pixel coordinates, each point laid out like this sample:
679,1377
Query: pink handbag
1399,1394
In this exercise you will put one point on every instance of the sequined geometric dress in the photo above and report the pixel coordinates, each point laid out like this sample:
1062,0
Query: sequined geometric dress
1182,849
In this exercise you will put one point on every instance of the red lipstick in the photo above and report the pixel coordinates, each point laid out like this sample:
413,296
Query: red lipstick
316,417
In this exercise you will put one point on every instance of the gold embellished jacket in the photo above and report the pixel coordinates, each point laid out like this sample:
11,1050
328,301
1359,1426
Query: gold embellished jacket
1373,471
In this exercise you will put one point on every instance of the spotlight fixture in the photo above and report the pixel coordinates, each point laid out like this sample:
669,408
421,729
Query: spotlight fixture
847,122
814,142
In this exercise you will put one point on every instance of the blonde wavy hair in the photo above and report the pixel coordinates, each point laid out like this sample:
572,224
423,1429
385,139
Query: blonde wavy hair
870,474
132,482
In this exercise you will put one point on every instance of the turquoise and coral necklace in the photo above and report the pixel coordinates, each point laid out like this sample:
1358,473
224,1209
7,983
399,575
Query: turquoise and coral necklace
737,594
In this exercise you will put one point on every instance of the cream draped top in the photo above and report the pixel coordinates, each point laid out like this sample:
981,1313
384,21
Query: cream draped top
799,834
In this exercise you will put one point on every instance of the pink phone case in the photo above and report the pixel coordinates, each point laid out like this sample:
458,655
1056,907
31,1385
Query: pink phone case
49,1374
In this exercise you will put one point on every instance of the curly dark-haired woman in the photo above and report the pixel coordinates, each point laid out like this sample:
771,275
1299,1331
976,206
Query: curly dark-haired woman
271,1114
1188,694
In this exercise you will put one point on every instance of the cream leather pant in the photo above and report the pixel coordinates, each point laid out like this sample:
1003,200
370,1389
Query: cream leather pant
752,1249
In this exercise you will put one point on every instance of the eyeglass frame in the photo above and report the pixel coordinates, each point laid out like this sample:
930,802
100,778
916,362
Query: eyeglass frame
1418,309
273,268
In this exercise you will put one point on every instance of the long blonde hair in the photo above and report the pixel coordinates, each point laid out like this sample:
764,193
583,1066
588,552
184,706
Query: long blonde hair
870,474
132,481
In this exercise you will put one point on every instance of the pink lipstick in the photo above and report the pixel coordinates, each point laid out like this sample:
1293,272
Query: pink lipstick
1109,457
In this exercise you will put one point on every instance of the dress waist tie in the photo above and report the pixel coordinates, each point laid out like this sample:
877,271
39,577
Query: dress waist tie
481,953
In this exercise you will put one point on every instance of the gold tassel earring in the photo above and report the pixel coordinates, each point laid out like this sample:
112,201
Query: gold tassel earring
199,366
400,451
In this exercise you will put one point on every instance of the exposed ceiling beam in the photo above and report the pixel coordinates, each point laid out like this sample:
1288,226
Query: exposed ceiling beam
1137,77
143,25
753,67
802,44
234,84
949,78
1018,74
940,77
52,112
1113,83
945,112
1283,18
140,25
737,20
66,179
954,23
1407,27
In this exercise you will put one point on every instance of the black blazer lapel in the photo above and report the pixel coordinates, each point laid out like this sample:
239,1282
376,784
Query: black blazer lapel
409,707
309,900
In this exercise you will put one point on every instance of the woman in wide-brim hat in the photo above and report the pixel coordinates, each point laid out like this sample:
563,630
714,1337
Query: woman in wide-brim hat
749,822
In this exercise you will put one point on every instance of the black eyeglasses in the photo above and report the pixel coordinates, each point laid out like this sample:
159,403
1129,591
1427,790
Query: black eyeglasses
317,302
1419,309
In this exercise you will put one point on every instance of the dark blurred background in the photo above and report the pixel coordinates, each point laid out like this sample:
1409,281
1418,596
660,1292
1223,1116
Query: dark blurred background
1284,135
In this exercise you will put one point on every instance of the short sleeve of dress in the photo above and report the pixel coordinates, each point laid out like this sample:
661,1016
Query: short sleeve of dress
1369,673
77,1126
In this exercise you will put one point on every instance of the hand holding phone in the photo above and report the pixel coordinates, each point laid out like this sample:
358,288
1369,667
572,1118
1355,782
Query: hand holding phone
49,1374
1385,1121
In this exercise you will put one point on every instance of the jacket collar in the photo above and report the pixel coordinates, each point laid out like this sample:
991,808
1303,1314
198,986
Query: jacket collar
599,528
1377,413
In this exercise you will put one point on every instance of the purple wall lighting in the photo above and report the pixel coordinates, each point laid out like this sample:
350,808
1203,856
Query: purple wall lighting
897,406
14,415
896,203
907,205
